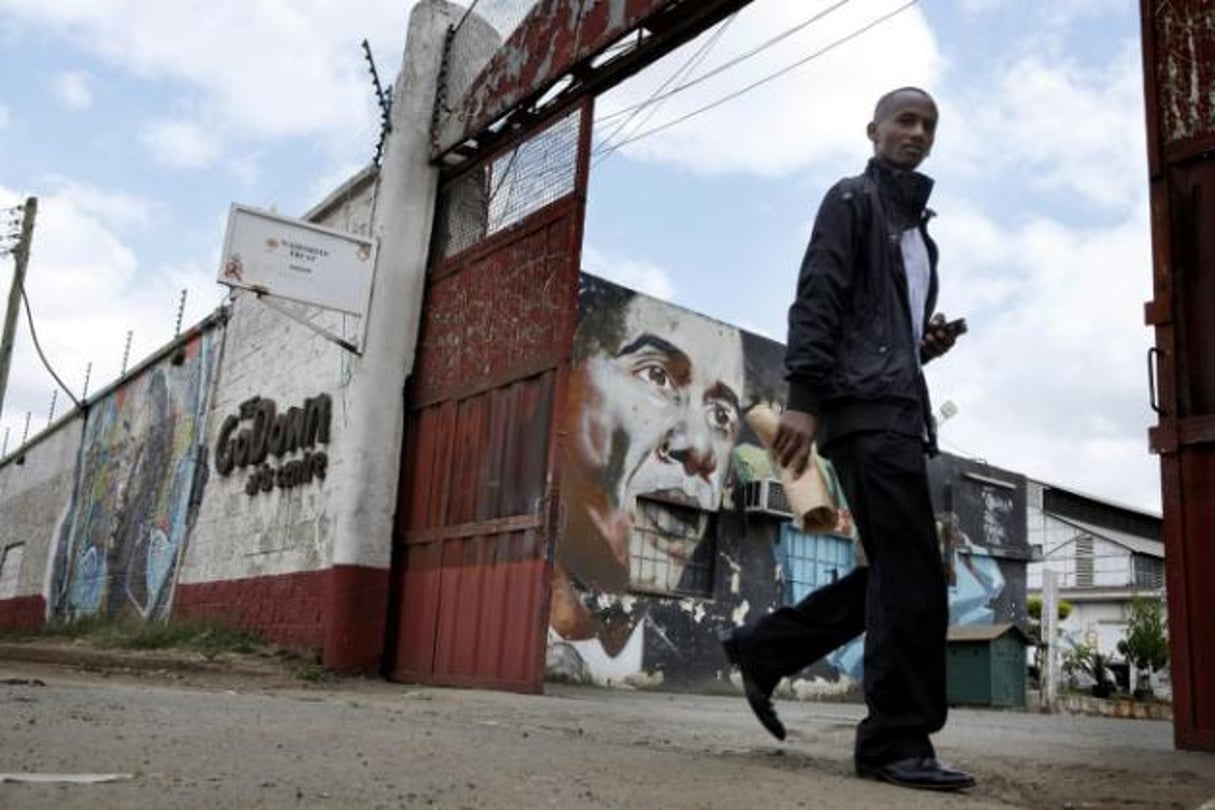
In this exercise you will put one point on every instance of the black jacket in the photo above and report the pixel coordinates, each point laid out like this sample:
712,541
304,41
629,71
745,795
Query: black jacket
851,358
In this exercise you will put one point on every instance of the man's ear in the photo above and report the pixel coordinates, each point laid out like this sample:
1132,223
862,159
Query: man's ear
871,131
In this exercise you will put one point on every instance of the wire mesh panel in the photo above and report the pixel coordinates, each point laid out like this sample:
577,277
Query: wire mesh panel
503,191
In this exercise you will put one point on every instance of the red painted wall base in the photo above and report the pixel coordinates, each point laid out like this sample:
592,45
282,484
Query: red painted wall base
23,613
339,612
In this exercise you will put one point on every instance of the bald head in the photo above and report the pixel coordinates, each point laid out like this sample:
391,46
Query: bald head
890,102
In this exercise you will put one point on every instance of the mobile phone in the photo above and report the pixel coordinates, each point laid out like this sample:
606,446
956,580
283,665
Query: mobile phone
957,327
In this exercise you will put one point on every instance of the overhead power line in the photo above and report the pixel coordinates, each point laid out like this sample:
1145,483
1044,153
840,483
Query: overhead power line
770,77
38,347
649,105
763,46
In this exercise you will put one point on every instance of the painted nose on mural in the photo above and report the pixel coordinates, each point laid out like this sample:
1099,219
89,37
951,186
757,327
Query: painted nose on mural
696,458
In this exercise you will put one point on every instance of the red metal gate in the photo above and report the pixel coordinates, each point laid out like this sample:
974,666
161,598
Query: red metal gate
478,503
1179,70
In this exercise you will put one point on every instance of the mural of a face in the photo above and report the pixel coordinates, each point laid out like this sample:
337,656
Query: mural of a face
656,415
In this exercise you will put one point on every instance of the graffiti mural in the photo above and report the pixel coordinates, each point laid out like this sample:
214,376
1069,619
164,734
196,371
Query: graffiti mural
656,555
670,531
137,488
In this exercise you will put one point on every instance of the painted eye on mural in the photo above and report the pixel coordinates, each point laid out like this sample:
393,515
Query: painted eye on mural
722,417
656,375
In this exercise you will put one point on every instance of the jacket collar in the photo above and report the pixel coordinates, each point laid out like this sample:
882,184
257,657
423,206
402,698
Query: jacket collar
905,193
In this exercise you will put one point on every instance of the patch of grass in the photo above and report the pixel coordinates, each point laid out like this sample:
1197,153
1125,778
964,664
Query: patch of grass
314,673
207,636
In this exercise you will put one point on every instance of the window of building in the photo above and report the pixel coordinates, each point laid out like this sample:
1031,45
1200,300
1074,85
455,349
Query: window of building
812,561
1148,571
672,548
1084,561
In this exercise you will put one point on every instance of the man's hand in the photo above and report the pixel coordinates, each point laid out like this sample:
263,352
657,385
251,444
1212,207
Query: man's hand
794,437
940,337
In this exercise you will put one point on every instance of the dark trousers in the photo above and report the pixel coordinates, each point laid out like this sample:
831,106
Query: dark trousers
899,601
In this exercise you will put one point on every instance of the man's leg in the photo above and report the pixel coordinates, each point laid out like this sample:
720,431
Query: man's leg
885,478
792,638
789,639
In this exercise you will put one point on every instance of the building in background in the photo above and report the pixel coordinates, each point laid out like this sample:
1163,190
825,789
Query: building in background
1104,555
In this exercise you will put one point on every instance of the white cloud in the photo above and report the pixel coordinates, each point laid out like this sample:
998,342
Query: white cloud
244,71
116,208
1050,380
181,144
86,290
1057,127
811,115
73,90
638,274
5,116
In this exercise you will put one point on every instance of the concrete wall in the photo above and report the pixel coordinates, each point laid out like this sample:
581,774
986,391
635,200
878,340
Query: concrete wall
201,494
1100,624
265,559
36,483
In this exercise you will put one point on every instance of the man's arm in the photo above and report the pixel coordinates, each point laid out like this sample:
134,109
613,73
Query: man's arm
824,290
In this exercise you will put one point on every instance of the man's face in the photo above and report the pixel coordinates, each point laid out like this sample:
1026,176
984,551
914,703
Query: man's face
659,426
906,128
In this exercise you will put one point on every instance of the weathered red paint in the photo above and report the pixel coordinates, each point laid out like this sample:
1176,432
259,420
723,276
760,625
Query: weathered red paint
560,38
23,613
1179,70
355,619
476,515
339,612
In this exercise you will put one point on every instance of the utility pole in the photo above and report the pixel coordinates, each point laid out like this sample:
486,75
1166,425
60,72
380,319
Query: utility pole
21,258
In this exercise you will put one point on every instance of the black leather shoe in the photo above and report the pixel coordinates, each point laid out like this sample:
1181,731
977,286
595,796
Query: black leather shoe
922,773
758,698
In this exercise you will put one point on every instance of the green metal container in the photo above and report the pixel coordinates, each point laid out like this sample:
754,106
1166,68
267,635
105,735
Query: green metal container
986,665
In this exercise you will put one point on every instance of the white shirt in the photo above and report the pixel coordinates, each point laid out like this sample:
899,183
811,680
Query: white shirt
919,273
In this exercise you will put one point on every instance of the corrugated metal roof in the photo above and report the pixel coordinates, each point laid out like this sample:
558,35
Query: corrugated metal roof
985,632
1132,542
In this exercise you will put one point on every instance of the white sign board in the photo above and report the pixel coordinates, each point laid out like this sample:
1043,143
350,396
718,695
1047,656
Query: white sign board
297,260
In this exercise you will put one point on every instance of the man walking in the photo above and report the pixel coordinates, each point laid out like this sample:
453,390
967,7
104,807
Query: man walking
859,333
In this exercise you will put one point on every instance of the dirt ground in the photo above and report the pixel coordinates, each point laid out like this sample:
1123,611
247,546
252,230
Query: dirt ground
248,733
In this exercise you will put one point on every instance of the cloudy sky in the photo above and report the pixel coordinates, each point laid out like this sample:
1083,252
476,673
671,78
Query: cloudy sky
136,123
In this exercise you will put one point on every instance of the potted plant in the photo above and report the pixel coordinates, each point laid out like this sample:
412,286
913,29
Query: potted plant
1146,644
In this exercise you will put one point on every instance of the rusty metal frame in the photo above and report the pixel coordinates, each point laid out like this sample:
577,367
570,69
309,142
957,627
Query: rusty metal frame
1180,434
560,40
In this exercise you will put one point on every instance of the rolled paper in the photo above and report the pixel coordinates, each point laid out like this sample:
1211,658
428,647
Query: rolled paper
814,511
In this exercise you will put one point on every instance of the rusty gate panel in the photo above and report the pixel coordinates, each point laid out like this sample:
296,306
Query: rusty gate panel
1179,71
477,505
477,640
495,314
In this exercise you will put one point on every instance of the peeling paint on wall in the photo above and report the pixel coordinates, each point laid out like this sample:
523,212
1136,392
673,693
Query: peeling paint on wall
1185,67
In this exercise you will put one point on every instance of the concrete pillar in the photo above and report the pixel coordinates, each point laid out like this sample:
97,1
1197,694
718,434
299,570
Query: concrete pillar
371,417
1048,678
